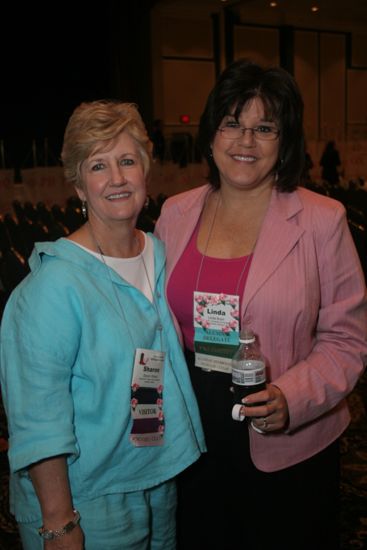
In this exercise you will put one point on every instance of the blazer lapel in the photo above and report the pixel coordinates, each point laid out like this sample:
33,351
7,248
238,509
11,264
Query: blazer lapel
277,238
190,212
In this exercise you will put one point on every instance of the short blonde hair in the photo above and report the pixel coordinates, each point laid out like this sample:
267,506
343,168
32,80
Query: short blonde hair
96,121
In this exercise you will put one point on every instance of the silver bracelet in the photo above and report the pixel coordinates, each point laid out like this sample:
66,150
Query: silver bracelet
50,534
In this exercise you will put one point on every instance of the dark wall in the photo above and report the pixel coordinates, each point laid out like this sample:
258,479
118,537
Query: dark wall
131,54
52,59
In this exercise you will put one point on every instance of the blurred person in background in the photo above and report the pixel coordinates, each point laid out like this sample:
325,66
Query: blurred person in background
330,163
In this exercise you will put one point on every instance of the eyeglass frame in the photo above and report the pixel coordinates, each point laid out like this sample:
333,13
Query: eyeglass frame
274,133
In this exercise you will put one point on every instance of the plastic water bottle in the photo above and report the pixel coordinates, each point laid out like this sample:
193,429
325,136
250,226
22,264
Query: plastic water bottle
248,370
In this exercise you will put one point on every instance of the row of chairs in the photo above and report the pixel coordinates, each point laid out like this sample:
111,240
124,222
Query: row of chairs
354,198
30,223
20,229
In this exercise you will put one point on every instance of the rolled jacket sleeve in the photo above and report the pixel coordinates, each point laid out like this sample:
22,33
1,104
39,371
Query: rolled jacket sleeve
40,348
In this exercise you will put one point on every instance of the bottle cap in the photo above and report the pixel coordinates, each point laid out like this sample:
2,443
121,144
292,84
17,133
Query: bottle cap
247,340
236,412
247,336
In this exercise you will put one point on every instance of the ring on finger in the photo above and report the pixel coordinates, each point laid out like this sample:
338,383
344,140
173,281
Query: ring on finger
265,423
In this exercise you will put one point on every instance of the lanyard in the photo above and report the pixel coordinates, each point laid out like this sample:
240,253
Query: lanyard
155,305
203,255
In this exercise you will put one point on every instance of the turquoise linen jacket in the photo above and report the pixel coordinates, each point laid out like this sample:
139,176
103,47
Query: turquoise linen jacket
66,366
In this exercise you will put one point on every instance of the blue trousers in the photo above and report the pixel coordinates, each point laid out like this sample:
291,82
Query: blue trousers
141,520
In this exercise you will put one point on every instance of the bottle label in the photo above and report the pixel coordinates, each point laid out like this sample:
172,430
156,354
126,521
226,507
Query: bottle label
251,375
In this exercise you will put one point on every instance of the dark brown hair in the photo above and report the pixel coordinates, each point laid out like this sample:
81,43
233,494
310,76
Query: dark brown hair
242,81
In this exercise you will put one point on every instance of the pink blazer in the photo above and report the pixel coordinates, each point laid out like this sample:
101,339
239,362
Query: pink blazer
305,298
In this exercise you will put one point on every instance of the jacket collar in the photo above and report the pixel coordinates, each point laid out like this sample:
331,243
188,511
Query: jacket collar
68,251
190,210
277,238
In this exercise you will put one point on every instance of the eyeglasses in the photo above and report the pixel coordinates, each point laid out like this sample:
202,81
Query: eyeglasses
261,132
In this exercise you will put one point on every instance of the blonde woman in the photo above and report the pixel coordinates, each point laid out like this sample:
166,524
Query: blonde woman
100,408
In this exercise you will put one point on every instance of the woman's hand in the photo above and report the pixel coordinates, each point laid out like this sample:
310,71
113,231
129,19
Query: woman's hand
51,482
268,409
70,541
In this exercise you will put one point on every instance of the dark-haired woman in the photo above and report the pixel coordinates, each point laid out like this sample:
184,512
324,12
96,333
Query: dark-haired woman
283,259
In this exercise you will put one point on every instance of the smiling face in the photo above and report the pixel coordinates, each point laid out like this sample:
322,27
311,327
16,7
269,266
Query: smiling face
113,181
246,162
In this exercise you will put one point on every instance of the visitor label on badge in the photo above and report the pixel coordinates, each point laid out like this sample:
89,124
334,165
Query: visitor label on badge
147,398
216,326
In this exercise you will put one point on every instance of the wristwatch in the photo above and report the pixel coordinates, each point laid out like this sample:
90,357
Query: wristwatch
50,534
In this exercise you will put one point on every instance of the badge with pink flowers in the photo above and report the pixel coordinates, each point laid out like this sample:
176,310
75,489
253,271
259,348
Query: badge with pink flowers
147,399
216,325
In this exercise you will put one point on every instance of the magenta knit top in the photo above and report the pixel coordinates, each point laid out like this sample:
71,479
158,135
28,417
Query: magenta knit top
216,275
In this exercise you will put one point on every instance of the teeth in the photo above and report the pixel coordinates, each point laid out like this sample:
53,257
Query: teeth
118,196
244,158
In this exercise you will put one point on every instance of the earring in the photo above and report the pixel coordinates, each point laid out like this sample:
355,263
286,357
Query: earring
84,210
146,204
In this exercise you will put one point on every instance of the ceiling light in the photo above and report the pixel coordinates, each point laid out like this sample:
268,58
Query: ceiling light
315,9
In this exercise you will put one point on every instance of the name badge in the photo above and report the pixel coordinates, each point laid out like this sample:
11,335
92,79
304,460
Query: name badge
147,398
216,326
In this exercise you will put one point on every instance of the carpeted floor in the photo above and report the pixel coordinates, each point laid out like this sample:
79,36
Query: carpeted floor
354,472
9,539
353,482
